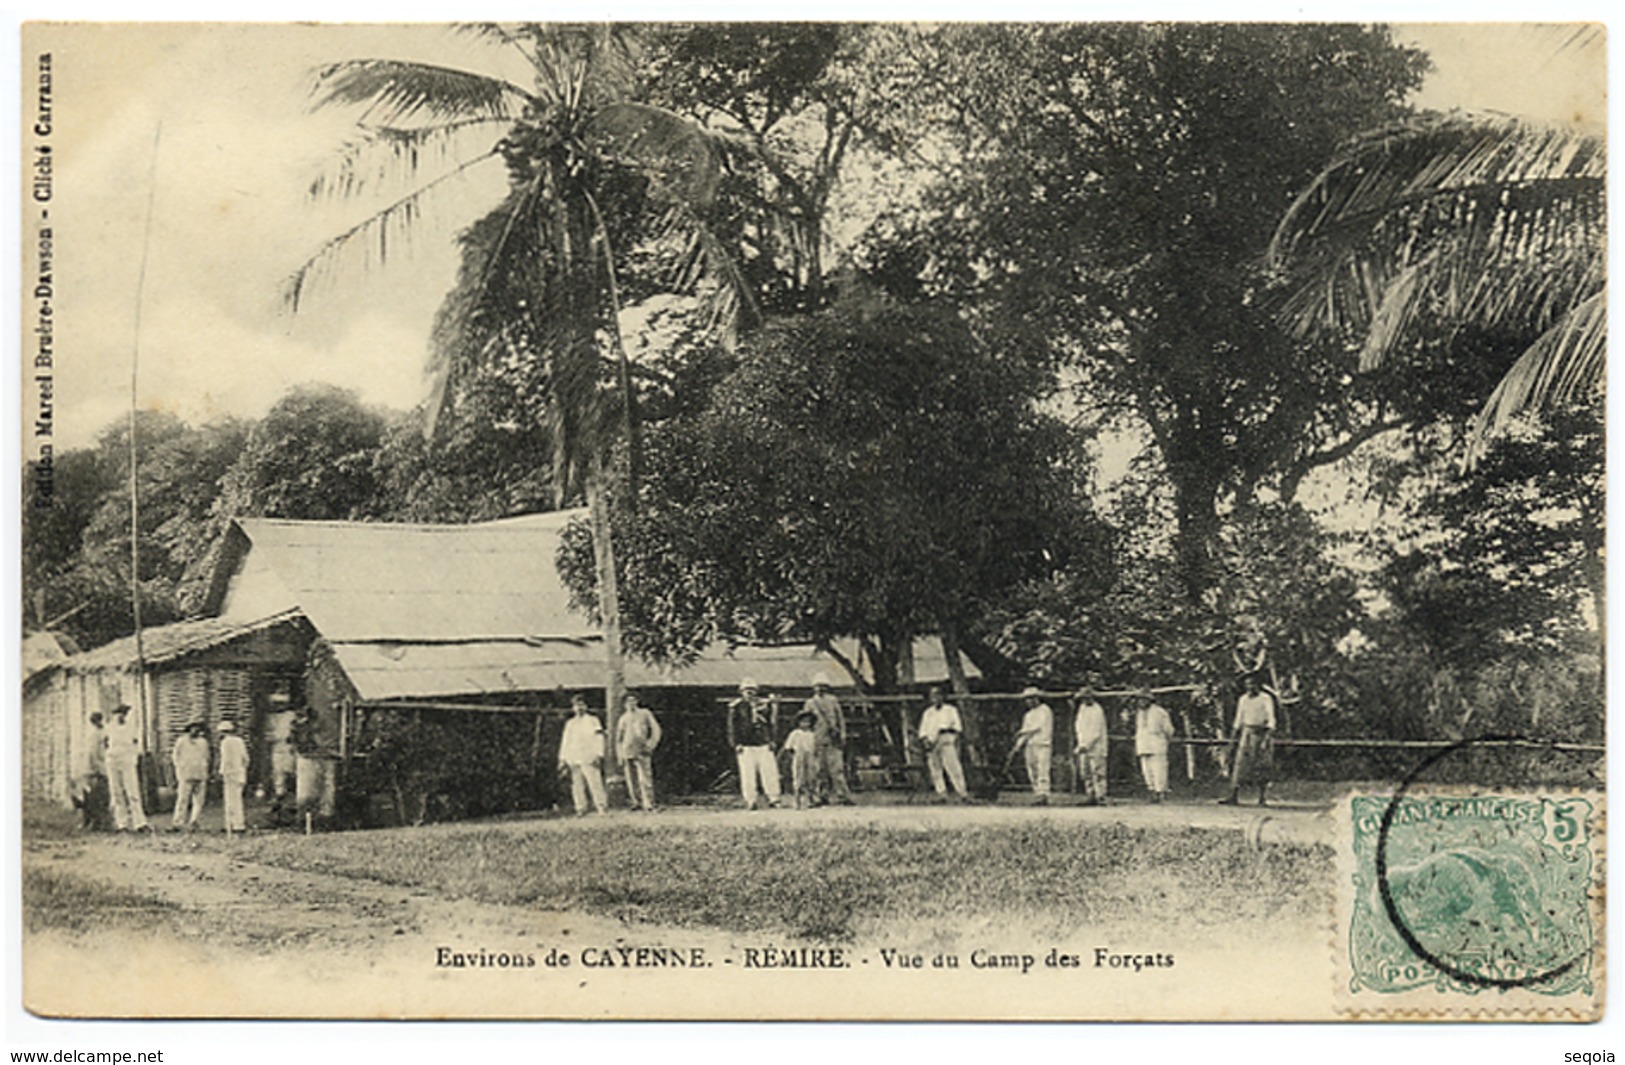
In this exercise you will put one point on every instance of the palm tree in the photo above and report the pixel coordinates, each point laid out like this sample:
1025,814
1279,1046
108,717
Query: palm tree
1461,220
589,171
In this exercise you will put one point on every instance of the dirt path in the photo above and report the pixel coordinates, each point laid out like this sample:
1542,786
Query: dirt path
237,937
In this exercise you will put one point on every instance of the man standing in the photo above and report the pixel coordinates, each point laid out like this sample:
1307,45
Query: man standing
191,759
1089,746
123,773
1035,740
940,729
829,732
90,790
233,776
1153,728
637,736
752,726
284,765
581,751
1255,731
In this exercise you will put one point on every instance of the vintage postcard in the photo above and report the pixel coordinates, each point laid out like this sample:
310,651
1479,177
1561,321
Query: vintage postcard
813,521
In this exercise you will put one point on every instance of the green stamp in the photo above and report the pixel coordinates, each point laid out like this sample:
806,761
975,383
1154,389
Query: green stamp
1471,895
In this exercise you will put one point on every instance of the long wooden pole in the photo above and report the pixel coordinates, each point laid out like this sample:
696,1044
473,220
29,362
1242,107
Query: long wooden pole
135,497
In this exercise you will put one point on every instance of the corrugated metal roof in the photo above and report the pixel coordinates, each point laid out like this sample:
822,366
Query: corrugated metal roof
164,643
384,671
360,581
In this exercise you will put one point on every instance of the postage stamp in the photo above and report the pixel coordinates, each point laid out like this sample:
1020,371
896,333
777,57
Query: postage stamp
1456,904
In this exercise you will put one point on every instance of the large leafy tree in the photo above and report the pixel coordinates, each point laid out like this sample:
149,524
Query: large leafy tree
77,553
1119,187
870,471
593,174
1453,225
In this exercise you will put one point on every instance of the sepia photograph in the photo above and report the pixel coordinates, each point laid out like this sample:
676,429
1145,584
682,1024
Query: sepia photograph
813,521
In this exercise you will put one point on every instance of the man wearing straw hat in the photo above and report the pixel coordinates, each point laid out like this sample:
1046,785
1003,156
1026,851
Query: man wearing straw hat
1089,745
1036,740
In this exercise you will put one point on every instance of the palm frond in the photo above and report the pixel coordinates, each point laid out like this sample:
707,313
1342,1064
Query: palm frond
379,156
378,232
399,93
1567,363
1487,221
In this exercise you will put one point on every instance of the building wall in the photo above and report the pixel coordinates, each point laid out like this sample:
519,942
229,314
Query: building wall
47,756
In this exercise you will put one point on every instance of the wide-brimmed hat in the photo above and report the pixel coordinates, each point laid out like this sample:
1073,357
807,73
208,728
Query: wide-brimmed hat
197,726
227,726
1031,692
820,680
806,715
747,685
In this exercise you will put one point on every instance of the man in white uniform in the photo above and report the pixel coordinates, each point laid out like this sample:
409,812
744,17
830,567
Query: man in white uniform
1153,728
1036,741
940,729
123,772
191,759
233,776
581,751
1089,745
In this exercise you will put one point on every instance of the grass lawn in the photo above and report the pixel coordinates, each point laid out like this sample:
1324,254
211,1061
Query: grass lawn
843,884
53,900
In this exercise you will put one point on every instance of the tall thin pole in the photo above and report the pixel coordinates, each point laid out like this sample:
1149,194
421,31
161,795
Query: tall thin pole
135,502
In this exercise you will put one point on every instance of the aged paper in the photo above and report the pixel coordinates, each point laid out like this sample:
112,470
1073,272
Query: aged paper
171,244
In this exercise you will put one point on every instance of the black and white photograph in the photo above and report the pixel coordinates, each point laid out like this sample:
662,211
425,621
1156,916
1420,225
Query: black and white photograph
1055,520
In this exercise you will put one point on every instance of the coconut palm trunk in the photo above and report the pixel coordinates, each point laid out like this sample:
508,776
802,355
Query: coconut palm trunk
609,610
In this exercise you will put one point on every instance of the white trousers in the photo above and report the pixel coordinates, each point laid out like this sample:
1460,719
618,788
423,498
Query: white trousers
233,789
584,780
1092,770
124,789
189,798
758,763
1154,767
942,759
1037,759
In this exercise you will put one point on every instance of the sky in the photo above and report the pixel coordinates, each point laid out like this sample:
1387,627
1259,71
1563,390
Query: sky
207,130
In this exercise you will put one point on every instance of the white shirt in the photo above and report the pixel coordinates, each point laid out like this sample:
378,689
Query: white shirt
123,741
582,742
801,741
191,758
938,719
1152,730
1039,726
234,759
1090,725
1255,711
